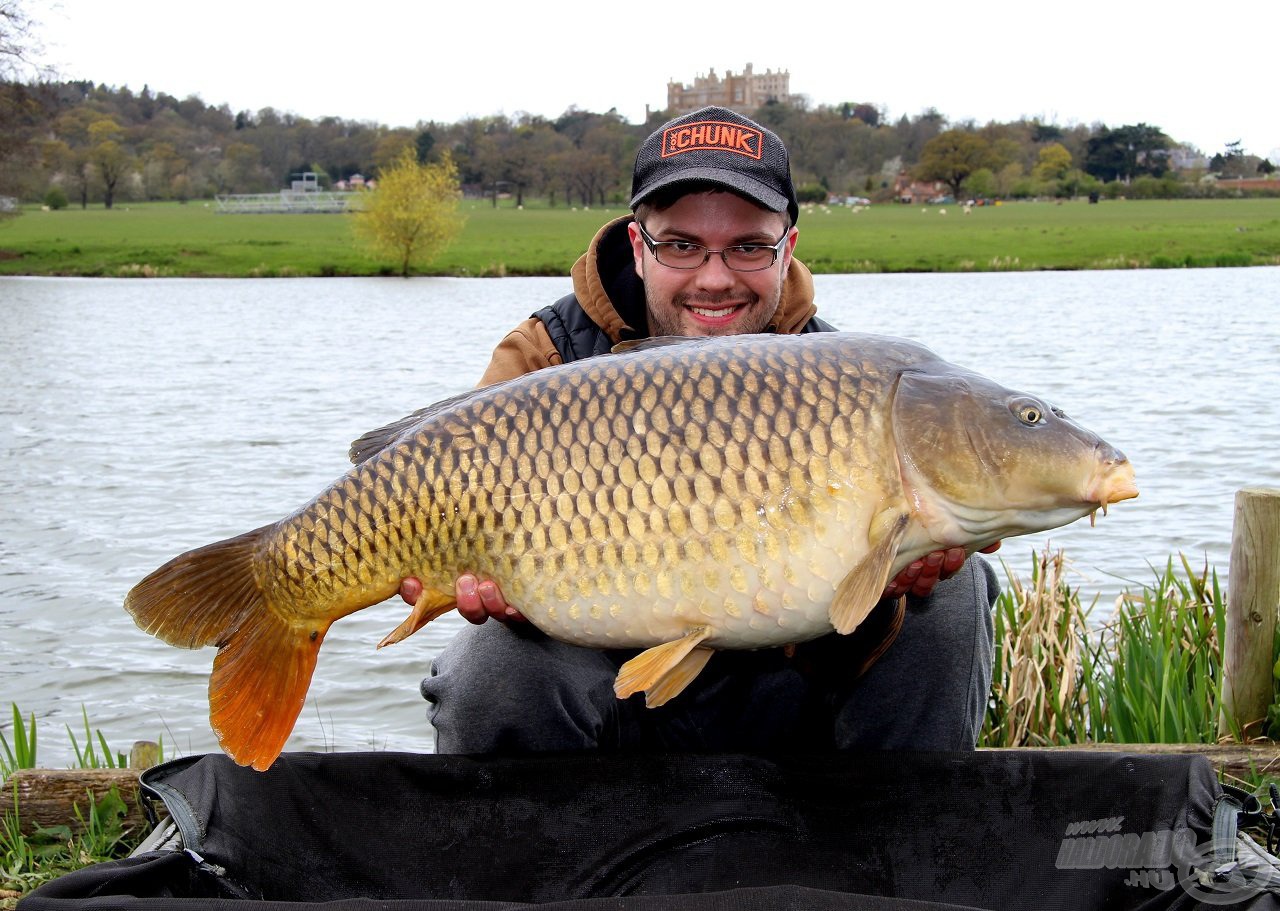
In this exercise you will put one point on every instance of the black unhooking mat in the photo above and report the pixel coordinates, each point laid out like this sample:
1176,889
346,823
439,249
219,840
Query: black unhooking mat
1038,830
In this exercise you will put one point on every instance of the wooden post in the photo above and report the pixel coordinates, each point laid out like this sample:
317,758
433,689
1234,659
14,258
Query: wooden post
1253,597
144,755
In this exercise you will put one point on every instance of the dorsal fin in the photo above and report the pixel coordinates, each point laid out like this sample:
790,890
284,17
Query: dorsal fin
658,341
373,442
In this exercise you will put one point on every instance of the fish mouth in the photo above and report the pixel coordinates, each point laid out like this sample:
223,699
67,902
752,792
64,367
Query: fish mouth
1113,482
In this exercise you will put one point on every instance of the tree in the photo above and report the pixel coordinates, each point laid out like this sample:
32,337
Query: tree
981,183
18,41
108,156
423,144
1127,152
240,170
413,214
18,46
1053,164
952,156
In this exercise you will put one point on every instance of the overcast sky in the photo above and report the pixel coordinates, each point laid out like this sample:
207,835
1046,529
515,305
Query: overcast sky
1203,78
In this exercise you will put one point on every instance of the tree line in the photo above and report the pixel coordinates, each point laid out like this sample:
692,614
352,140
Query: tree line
92,143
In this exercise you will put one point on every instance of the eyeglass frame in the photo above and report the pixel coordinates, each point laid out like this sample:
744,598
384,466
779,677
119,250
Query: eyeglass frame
707,251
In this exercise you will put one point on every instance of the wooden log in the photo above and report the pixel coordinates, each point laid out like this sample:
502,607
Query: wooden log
1253,597
50,797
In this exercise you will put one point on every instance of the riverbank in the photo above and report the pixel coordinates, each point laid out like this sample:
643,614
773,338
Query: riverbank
191,240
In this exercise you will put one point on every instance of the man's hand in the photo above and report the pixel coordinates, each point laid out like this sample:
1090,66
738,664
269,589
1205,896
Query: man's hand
921,576
477,601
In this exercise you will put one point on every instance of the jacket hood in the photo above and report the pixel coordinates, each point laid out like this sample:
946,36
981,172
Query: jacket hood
608,289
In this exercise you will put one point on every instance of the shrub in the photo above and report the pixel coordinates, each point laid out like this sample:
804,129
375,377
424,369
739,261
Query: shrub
55,199
811,192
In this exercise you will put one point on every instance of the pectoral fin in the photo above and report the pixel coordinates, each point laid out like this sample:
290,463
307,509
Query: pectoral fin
664,670
861,589
431,603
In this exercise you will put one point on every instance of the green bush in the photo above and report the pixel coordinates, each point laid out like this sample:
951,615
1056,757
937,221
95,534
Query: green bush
811,192
55,199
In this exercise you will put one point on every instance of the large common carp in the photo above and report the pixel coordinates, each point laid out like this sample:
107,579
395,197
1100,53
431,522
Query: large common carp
684,496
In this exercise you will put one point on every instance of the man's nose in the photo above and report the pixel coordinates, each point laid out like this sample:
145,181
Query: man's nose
714,274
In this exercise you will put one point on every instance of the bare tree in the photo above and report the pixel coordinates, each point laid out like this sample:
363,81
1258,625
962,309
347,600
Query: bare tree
19,44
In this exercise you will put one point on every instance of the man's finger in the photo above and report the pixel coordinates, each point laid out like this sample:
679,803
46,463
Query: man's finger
470,605
410,590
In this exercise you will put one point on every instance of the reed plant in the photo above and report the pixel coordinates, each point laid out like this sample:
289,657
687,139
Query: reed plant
1151,673
1046,661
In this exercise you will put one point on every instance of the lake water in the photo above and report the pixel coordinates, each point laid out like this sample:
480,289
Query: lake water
139,418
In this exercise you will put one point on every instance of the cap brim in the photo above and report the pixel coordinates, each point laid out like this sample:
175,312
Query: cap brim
730,180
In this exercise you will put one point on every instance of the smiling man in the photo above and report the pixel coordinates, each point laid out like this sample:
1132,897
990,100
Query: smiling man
708,251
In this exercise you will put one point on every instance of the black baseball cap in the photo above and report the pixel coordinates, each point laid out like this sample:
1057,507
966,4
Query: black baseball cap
720,147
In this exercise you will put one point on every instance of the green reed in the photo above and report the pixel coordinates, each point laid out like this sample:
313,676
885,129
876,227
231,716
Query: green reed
22,754
1165,680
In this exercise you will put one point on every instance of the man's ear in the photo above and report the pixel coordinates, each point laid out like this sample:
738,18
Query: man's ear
637,247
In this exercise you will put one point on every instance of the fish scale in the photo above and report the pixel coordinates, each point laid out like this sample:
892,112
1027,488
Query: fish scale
684,496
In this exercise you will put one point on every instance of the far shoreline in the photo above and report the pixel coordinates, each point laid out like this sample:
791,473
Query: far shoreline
193,240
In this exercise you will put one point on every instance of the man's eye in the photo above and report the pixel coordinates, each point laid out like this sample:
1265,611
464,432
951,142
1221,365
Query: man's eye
682,248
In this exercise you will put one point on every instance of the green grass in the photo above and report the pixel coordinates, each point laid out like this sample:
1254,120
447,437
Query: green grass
194,240
29,859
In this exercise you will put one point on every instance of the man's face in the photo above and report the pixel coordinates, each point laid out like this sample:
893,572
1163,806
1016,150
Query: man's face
712,299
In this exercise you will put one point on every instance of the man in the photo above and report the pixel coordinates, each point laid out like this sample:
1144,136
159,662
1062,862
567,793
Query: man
708,251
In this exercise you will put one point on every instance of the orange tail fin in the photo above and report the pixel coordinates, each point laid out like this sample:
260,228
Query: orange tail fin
211,596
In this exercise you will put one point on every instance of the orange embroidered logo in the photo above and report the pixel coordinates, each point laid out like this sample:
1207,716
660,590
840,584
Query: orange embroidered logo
712,134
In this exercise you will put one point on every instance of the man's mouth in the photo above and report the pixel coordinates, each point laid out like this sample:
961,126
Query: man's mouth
716,312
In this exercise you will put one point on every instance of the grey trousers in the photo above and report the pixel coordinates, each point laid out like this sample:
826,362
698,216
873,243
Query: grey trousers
511,689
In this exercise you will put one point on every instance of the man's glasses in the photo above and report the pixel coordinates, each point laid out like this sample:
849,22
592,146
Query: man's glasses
681,254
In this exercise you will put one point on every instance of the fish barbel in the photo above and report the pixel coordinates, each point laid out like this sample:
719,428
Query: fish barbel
684,496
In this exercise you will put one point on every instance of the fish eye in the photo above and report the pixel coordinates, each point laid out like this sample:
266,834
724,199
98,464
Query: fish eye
1029,413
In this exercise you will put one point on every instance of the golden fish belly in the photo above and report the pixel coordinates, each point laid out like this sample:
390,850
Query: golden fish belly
769,581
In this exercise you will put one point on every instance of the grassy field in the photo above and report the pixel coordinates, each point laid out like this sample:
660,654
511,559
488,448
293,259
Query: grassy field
194,240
